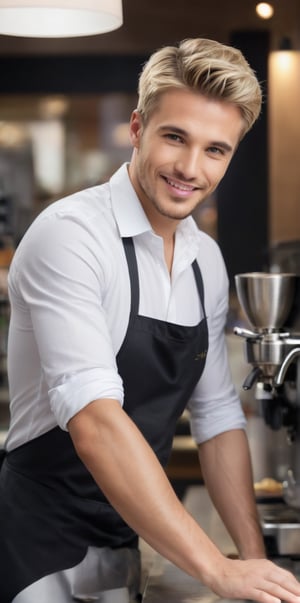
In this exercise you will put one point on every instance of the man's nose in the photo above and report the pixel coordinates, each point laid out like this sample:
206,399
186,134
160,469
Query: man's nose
188,164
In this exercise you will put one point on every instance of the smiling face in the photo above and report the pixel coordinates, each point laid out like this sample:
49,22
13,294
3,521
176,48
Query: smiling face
181,153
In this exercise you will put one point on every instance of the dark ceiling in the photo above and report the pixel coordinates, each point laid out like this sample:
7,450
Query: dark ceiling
149,24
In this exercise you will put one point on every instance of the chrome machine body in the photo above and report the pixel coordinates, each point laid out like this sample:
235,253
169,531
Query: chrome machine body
270,302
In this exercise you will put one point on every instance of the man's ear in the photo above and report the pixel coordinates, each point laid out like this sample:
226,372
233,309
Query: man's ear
135,128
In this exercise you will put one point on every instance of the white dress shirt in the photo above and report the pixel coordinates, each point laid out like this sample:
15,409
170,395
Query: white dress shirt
70,299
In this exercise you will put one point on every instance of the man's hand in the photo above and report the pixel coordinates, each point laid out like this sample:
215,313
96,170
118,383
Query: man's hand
256,579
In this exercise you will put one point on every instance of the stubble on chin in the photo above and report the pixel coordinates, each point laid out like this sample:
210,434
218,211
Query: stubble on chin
175,210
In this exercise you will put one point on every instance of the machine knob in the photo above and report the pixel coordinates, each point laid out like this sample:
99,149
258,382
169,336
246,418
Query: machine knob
246,333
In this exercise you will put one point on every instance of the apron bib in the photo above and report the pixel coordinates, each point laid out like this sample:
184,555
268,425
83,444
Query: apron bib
51,509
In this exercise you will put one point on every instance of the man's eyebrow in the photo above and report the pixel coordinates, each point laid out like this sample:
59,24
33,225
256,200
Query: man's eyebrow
181,132
221,144
175,129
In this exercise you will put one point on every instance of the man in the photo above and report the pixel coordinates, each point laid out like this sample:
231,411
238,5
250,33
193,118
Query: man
118,305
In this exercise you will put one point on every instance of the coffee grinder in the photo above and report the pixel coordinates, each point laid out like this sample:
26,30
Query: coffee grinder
270,302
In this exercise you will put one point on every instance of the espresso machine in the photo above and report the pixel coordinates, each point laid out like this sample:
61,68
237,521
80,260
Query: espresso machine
271,304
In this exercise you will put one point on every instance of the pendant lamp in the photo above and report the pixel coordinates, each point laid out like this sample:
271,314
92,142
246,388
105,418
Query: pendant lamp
59,18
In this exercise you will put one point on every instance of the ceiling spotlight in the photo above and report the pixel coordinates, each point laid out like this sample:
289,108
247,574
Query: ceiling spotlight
264,10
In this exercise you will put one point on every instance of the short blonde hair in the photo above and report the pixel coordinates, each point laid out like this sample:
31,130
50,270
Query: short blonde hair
205,66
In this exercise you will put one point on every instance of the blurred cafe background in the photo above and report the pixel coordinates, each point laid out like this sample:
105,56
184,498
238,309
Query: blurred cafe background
64,110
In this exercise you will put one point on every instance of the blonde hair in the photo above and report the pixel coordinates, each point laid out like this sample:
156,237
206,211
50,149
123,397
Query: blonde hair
205,66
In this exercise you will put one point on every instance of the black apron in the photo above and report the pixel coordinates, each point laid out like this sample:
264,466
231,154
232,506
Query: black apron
51,510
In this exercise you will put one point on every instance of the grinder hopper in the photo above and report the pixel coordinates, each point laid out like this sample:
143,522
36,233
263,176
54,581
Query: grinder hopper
266,298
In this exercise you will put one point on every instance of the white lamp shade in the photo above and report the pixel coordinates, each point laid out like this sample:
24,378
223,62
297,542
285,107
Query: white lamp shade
59,18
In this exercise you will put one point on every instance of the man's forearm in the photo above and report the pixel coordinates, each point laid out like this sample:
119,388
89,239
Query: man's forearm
226,468
127,471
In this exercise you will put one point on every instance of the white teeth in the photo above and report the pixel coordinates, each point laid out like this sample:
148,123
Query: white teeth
181,187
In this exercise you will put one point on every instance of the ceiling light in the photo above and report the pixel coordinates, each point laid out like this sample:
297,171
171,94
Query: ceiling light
54,107
264,10
59,18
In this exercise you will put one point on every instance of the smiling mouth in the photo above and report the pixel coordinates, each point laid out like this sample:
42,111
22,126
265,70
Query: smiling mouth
187,188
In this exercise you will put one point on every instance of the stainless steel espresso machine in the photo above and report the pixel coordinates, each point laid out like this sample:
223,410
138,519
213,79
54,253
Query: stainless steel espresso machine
271,303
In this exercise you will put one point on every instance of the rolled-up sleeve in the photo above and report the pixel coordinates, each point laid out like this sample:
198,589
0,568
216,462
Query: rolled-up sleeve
79,389
62,286
215,406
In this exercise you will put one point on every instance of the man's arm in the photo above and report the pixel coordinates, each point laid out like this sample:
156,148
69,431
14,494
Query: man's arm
227,472
126,469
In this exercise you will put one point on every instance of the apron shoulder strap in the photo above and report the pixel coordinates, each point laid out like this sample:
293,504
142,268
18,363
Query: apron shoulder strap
199,283
133,274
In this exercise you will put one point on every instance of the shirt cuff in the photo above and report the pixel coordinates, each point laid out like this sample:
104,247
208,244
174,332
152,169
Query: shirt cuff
78,390
205,426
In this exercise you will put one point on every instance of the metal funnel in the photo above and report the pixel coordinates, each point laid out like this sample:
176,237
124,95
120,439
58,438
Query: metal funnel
266,298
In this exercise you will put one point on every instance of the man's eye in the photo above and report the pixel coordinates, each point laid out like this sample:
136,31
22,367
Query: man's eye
174,137
216,151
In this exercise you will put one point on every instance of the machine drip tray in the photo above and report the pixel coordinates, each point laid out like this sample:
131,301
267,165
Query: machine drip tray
281,529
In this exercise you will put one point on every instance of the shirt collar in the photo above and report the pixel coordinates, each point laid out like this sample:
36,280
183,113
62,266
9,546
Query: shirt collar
129,214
